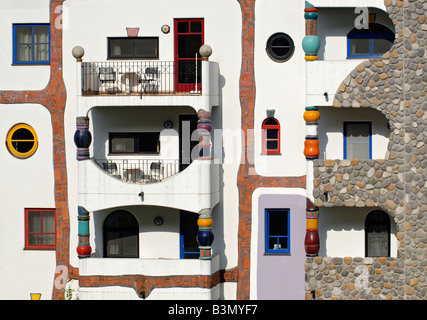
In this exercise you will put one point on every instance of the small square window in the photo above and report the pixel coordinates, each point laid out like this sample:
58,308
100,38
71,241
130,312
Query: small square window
277,231
40,229
31,44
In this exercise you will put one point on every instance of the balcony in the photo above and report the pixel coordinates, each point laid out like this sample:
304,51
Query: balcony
324,79
133,183
139,170
148,83
140,78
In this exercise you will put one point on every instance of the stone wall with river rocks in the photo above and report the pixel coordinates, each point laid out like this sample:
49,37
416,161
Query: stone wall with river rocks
395,85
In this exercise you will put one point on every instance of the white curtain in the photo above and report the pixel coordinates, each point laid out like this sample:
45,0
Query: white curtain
26,43
41,43
41,222
48,227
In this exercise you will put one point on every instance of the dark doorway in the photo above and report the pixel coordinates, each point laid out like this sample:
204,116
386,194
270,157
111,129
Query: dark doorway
189,37
188,139
377,233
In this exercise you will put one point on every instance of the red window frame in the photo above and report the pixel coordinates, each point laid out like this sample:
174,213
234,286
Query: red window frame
27,232
266,125
186,87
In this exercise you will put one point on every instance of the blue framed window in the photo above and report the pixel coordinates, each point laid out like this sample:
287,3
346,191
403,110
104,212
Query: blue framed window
370,42
31,44
189,248
358,140
277,231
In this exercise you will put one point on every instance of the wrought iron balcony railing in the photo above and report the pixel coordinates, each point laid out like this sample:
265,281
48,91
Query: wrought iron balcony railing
141,77
140,170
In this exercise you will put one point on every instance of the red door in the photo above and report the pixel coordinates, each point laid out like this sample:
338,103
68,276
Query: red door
189,37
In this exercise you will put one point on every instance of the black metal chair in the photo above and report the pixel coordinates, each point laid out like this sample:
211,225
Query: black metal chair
150,80
107,76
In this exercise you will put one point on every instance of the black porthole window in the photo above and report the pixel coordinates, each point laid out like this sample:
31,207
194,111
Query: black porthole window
280,47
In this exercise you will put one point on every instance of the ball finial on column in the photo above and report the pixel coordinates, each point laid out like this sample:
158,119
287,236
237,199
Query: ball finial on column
205,51
78,53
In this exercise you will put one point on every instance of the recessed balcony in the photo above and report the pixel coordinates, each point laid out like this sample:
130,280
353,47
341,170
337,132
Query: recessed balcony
193,189
140,170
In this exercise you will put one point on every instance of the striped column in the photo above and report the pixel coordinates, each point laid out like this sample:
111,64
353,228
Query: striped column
311,242
83,248
82,138
204,128
205,235
311,152
311,42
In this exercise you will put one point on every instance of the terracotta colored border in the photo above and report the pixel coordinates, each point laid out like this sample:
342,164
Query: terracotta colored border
144,285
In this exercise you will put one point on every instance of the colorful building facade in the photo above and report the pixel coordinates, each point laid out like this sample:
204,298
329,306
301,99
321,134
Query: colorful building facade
224,150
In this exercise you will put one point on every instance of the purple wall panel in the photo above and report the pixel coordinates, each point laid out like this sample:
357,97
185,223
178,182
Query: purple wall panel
281,276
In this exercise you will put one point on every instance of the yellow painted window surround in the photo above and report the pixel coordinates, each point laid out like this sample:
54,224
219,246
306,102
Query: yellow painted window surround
22,140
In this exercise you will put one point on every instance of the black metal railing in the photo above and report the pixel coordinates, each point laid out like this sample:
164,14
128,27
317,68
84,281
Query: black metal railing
140,170
141,77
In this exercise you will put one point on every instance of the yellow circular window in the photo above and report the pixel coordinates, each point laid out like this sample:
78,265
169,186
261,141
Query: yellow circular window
22,140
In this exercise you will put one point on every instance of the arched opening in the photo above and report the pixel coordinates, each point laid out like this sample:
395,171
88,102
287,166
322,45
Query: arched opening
373,41
270,136
377,234
121,233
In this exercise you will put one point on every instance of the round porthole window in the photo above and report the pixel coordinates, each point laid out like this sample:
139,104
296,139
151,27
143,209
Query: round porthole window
22,140
280,47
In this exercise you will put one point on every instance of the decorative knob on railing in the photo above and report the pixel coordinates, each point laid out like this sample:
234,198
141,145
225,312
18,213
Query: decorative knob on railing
205,51
78,53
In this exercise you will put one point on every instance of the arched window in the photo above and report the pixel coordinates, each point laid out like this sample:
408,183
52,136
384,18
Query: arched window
369,42
121,235
270,136
377,234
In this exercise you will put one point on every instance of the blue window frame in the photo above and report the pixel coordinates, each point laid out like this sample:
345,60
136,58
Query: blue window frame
277,231
31,44
370,42
189,248
358,140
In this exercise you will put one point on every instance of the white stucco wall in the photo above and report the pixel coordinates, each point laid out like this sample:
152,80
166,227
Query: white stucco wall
19,77
347,225
280,86
223,35
331,131
26,183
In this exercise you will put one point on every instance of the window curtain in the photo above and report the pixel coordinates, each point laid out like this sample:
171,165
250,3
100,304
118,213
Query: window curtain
41,223
34,227
41,43
24,44
48,227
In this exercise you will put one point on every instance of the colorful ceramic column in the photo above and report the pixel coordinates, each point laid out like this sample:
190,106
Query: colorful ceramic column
311,145
83,248
311,242
204,128
82,138
205,235
311,42
311,152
